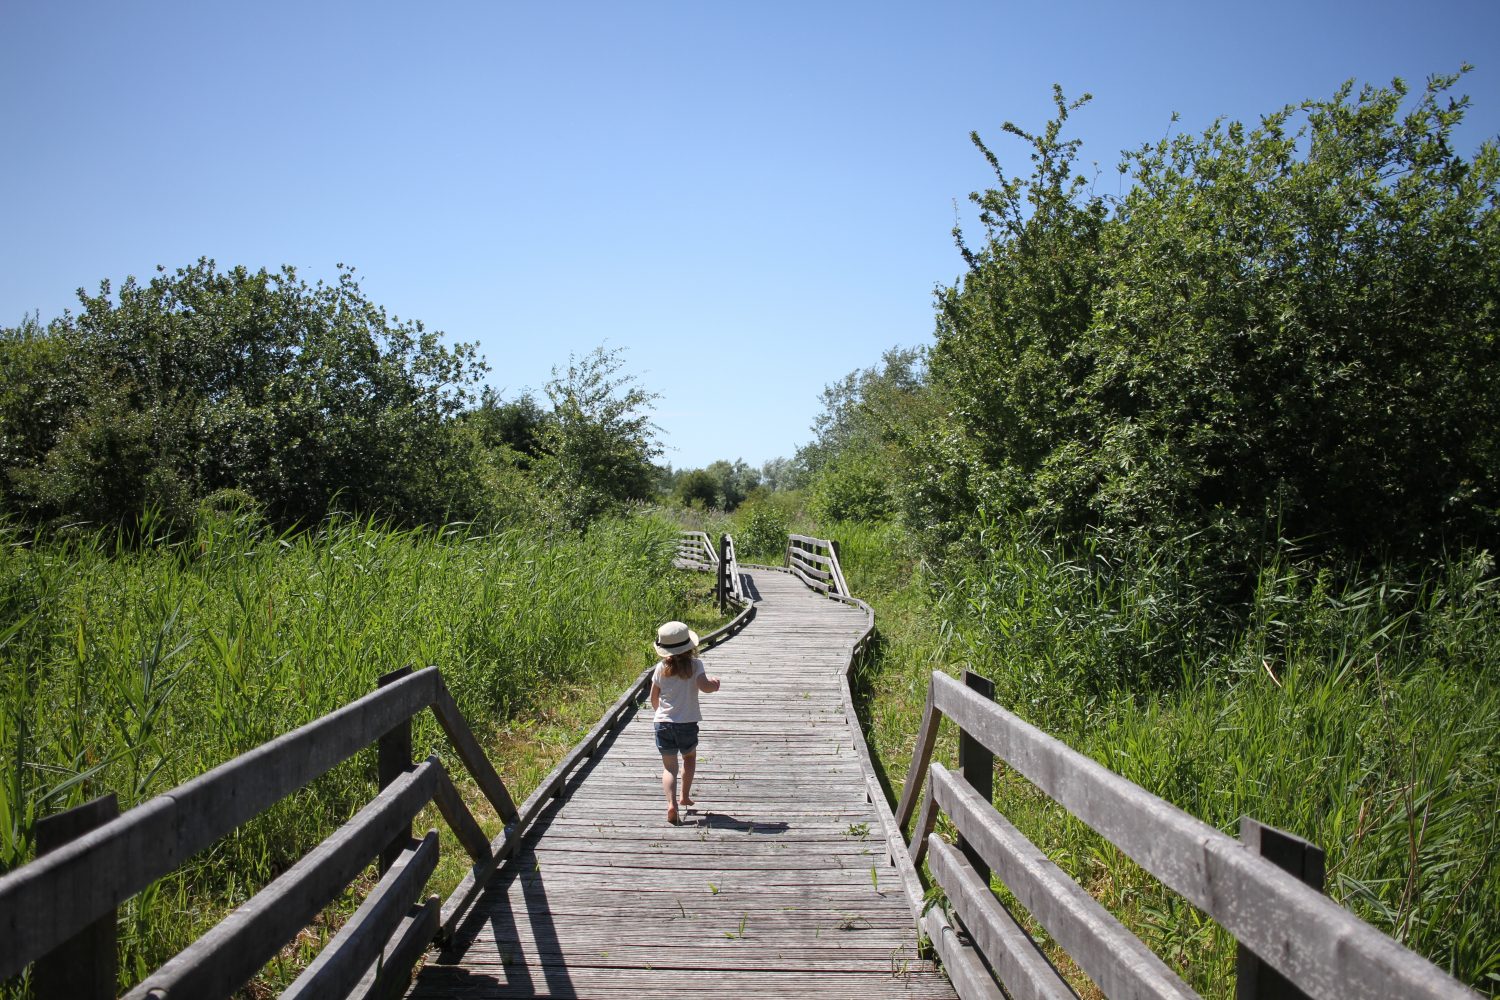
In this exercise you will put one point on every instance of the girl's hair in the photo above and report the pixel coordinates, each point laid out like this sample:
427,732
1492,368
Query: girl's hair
679,664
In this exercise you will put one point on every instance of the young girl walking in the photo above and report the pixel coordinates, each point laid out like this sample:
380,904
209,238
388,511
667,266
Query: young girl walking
675,684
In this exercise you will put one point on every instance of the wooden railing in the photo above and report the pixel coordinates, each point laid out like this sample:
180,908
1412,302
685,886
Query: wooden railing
1282,924
696,551
52,910
816,562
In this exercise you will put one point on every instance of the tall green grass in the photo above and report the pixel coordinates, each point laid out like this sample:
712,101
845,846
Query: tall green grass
1362,713
131,669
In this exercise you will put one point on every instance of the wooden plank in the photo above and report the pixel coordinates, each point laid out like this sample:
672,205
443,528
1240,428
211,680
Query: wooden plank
1321,947
1254,978
1112,957
84,967
475,761
393,759
977,765
230,954
808,570
460,820
339,966
1019,964
390,976
961,961
921,756
48,900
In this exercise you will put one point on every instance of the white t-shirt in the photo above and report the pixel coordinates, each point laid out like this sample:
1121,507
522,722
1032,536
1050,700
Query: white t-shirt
679,695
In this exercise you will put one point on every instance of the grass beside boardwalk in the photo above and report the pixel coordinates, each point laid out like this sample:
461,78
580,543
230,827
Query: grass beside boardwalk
134,669
1364,716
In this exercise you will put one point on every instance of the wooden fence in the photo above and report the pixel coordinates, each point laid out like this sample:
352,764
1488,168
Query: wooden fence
1282,924
55,910
696,551
816,562
57,914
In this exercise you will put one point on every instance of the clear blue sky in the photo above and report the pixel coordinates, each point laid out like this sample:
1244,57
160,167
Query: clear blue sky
752,199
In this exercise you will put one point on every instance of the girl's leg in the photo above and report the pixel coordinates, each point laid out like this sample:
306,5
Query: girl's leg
669,784
689,765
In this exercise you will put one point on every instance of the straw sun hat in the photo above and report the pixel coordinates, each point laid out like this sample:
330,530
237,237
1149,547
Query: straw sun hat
675,637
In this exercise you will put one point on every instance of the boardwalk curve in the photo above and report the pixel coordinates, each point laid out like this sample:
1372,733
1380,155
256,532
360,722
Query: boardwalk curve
777,883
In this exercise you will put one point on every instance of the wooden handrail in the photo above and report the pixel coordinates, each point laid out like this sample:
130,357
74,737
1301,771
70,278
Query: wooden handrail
49,901
815,561
1317,945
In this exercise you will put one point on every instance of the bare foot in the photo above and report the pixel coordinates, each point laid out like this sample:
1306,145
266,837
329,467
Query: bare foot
672,815
685,800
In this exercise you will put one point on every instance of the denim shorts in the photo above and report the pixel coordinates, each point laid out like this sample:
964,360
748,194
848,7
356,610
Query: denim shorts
677,737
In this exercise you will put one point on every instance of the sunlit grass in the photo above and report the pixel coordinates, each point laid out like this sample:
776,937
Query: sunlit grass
132,669
1364,716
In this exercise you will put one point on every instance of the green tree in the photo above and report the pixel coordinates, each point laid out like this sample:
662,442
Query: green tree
202,380
600,443
697,488
1289,328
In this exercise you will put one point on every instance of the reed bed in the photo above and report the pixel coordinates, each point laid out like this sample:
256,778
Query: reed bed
1361,712
131,668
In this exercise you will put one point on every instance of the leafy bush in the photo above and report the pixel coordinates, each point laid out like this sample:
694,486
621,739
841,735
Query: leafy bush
201,380
1293,325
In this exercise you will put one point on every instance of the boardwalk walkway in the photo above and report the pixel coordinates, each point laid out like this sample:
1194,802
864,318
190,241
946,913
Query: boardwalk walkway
776,883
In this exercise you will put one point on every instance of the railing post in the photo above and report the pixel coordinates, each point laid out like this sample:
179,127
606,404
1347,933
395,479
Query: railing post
723,573
1254,978
977,765
393,759
84,966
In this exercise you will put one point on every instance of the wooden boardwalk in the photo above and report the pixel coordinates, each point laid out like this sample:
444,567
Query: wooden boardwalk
776,883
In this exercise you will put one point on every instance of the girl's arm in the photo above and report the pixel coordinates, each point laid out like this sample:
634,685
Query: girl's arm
655,695
707,684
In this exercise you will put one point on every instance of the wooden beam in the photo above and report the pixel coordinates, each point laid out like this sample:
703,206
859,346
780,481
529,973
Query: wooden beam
921,756
393,759
1019,964
475,762
45,902
961,960
1254,978
340,965
1317,944
390,975
1113,958
230,954
460,820
977,765
84,967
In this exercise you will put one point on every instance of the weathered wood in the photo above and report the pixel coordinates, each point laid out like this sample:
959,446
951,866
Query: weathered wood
230,954
1254,978
779,881
340,965
1113,958
84,966
921,756
809,570
1019,964
926,823
475,762
456,814
977,765
393,759
1321,947
390,975
961,959
45,902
